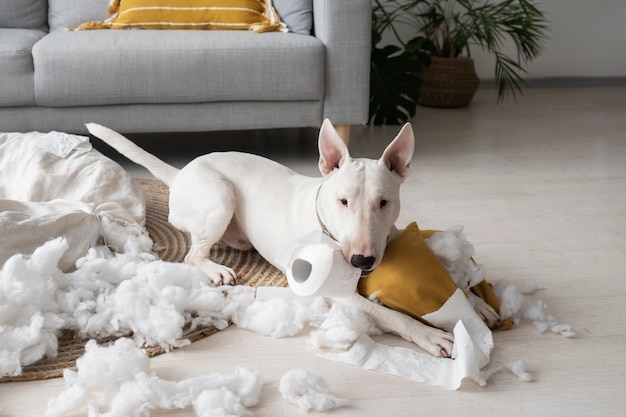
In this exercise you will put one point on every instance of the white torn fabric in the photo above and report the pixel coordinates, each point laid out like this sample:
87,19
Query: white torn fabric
122,372
27,225
61,144
308,391
54,185
32,174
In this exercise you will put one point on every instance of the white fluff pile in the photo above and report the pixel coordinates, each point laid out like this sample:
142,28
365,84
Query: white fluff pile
107,295
308,391
516,305
122,373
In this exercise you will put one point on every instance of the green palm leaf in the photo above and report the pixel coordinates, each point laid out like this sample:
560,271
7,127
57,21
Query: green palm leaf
394,85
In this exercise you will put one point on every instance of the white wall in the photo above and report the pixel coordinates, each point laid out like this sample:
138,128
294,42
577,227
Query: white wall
587,39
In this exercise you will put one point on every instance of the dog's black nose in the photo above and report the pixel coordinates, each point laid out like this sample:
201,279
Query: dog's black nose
364,262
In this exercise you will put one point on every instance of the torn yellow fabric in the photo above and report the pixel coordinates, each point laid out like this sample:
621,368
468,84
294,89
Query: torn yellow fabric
255,15
412,280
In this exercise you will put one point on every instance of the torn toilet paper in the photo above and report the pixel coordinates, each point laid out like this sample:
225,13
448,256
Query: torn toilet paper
473,344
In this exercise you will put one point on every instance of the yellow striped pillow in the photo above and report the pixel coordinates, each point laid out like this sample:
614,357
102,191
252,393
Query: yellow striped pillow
256,15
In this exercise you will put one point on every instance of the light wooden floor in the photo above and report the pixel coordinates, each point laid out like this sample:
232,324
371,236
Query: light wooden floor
540,185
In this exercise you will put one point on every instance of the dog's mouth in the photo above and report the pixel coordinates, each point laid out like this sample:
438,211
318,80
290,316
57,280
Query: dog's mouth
366,273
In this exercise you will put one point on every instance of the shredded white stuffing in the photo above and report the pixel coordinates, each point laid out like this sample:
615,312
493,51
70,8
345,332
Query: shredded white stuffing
455,253
122,372
342,326
515,366
515,305
106,295
308,391
280,317
219,403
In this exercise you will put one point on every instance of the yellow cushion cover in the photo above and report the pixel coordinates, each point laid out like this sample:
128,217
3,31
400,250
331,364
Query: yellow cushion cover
412,280
256,15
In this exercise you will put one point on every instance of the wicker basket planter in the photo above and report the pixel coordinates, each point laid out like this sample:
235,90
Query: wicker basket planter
449,82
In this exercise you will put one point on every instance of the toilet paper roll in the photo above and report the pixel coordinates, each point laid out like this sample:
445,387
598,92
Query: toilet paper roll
315,266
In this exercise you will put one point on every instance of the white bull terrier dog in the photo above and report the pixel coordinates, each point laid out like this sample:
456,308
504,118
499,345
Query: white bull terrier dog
246,201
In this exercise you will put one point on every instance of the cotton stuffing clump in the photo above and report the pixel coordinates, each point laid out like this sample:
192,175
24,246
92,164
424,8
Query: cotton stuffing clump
280,317
342,327
308,391
219,403
515,305
30,313
99,369
455,253
122,372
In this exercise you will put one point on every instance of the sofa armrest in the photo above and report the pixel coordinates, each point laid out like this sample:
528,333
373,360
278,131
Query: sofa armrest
344,26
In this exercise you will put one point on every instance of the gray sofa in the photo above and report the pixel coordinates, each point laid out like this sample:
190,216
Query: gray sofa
179,80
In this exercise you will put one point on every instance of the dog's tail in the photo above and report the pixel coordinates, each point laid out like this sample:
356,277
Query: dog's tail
126,147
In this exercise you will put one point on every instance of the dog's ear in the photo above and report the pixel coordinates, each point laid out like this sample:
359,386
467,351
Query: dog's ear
333,150
397,156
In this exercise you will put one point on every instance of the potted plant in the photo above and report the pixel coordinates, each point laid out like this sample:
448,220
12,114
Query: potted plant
396,72
452,26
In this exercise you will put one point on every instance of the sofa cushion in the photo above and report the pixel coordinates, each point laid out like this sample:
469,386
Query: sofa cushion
155,66
256,15
65,13
26,14
296,14
16,66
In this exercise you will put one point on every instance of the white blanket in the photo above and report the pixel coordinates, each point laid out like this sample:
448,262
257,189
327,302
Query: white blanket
54,185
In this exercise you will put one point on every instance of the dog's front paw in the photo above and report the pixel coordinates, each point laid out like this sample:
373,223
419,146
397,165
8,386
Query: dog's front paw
443,343
218,274
489,315
225,276
436,342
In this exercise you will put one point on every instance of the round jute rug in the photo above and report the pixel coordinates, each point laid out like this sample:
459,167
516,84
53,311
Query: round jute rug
170,245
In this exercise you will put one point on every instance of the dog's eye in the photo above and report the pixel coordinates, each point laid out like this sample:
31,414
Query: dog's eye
383,203
344,202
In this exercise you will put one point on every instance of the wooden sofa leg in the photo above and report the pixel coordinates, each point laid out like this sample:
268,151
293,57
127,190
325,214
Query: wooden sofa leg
344,132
